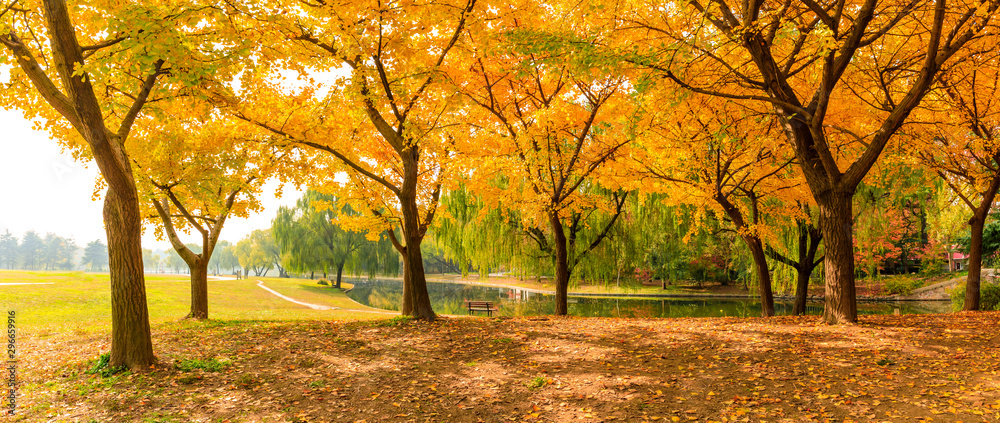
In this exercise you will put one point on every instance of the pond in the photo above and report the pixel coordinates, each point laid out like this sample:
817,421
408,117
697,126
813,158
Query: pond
448,298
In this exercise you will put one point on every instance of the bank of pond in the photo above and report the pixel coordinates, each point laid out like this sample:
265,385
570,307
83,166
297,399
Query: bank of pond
449,298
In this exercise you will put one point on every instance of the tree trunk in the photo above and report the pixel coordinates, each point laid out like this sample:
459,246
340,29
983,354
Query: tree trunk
809,239
416,301
415,283
836,222
131,342
131,345
763,276
199,290
562,264
975,262
340,271
801,290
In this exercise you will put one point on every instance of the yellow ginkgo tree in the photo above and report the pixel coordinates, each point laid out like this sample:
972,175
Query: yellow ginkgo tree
386,118
549,133
93,74
195,172
725,161
842,77
963,148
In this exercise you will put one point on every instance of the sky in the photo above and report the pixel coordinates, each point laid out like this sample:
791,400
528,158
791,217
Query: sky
45,190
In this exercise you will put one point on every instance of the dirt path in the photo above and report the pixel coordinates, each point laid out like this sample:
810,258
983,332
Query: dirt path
317,306
939,291
292,300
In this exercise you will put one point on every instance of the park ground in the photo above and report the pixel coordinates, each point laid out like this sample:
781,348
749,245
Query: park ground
264,359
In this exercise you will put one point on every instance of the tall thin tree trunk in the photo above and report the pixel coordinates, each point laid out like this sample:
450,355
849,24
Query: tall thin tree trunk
809,239
562,264
972,281
416,301
763,276
836,222
802,275
131,342
340,271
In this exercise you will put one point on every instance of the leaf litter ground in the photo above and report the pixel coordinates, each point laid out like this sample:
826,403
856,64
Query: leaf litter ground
886,368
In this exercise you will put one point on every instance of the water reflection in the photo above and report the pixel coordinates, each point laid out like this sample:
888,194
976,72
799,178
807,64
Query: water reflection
449,298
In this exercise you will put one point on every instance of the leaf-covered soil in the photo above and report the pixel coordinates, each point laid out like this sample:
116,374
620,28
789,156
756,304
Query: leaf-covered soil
887,368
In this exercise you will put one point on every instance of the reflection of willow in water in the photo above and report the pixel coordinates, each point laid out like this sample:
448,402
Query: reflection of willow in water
385,300
449,298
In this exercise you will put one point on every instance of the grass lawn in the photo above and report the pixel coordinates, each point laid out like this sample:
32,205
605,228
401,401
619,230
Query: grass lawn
81,302
263,359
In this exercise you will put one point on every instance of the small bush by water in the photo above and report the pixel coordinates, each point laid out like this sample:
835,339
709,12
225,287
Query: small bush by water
989,297
900,285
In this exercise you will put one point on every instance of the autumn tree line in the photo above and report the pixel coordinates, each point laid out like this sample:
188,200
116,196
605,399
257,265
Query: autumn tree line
550,114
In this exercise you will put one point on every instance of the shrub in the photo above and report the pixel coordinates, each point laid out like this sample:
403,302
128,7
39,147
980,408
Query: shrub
932,259
989,297
644,275
323,282
900,285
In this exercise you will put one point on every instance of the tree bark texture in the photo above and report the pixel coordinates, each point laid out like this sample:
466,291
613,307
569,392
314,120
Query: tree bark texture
809,239
199,290
416,301
763,275
976,225
756,251
131,340
561,264
415,283
972,282
836,221
131,343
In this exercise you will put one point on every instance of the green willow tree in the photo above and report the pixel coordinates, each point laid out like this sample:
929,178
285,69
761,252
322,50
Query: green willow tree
310,239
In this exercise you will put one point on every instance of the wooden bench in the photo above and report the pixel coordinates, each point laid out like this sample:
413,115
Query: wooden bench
486,306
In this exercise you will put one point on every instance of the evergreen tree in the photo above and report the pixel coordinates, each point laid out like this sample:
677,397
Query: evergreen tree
31,250
8,250
95,256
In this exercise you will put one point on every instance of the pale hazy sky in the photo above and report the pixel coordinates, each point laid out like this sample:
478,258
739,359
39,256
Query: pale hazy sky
47,191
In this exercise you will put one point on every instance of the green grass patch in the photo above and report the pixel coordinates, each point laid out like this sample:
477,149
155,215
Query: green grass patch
537,382
80,303
208,365
102,366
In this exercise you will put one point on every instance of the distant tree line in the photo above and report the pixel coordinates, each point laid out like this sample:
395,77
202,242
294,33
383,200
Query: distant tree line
52,252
